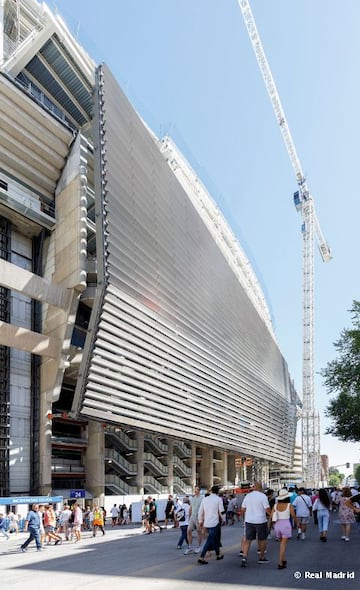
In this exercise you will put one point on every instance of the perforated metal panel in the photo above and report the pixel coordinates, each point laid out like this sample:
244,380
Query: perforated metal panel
175,345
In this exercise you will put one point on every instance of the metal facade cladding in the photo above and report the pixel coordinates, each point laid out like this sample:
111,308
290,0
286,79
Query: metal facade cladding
175,346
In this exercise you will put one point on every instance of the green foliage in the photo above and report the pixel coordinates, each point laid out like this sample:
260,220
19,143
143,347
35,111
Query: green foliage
335,477
342,377
357,474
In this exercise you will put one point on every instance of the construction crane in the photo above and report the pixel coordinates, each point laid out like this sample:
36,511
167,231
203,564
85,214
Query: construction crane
310,228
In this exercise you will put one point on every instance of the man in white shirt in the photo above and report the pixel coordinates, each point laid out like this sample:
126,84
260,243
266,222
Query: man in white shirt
114,515
255,509
211,515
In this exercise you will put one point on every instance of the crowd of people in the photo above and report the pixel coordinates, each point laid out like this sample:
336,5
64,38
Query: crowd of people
47,526
262,513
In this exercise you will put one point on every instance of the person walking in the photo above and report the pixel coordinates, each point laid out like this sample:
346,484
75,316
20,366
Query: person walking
32,524
195,504
346,514
50,525
322,505
280,516
183,520
114,515
78,521
169,510
3,527
211,515
98,522
303,509
256,509
64,521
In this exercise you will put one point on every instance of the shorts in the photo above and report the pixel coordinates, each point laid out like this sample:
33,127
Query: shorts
303,519
256,531
193,525
282,529
77,527
49,529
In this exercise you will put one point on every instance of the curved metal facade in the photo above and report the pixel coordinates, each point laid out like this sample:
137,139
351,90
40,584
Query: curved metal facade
175,345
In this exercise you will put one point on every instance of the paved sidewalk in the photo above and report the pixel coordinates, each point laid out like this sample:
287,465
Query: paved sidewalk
126,558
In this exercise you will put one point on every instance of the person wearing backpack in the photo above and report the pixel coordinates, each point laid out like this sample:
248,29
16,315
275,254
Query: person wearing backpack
303,509
182,516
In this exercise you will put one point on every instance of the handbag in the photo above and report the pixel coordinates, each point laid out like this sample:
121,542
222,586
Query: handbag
274,516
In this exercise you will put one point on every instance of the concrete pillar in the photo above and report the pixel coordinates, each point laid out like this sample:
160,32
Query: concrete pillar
193,481
140,462
45,445
170,464
95,461
206,470
223,469
231,469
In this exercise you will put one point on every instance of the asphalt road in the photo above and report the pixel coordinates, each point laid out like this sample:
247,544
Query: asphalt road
126,558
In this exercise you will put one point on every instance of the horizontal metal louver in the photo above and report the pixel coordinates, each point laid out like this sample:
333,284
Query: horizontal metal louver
175,345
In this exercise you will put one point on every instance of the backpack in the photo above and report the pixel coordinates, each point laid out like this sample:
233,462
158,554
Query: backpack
180,515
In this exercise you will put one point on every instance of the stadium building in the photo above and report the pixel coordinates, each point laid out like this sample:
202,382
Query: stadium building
137,353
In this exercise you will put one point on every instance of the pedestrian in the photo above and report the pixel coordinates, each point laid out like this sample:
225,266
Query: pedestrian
346,513
78,521
50,525
145,517
32,524
280,516
183,519
114,515
231,510
322,505
211,516
3,527
98,521
169,510
335,496
195,504
64,521
42,528
153,519
256,509
303,509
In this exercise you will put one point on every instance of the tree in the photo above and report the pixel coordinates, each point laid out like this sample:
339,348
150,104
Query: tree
342,377
335,477
357,474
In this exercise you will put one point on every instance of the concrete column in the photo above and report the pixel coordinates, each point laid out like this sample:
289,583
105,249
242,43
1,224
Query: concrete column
170,463
206,470
95,461
45,445
140,462
231,469
223,469
193,467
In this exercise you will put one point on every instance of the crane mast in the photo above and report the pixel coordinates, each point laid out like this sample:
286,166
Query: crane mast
310,229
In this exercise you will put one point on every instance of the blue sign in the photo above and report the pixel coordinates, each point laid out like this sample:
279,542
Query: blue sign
77,493
31,500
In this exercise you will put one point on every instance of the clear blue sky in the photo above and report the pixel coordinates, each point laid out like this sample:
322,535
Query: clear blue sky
189,69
